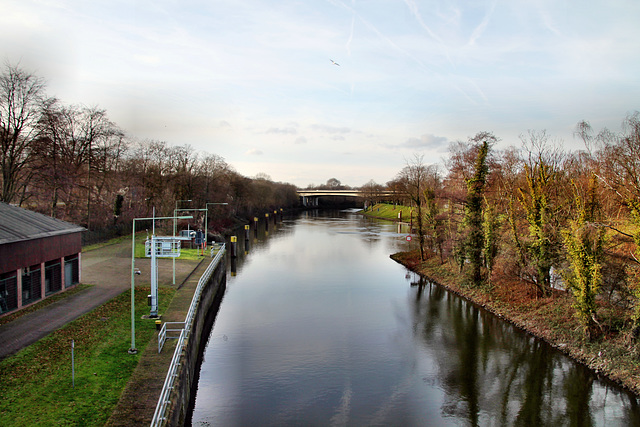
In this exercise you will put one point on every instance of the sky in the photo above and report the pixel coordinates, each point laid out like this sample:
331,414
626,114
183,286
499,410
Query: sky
257,82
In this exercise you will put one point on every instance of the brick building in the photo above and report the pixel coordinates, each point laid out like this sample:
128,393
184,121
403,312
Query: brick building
39,256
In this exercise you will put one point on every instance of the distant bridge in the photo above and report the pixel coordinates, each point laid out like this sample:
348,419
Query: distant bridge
311,197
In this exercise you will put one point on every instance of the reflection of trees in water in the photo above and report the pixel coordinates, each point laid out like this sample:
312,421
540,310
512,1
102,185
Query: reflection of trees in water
491,373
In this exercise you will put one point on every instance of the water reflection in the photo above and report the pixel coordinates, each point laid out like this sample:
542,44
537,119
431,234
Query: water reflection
493,374
320,327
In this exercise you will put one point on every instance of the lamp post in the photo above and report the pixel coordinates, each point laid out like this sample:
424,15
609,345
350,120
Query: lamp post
133,349
174,235
206,218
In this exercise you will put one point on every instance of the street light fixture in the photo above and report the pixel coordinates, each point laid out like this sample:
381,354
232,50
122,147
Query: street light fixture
133,349
175,212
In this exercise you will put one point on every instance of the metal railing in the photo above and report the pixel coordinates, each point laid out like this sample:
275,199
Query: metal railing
165,395
167,328
167,388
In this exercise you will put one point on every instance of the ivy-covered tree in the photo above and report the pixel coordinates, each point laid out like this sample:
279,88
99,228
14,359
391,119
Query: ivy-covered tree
433,223
491,229
617,157
534,199
538,249
474,212
634,207
584,241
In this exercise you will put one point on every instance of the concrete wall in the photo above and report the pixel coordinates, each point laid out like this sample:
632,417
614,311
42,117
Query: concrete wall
183,396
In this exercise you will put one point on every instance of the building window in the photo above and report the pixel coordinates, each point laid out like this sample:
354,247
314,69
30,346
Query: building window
52,277
31,285
8,292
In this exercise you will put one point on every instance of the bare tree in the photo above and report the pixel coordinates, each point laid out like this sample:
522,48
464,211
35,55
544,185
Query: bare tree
184,161
21,98
412,182
73,157
372,192
212,179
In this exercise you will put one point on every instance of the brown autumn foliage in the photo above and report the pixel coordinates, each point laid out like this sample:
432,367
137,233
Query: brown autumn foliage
533,194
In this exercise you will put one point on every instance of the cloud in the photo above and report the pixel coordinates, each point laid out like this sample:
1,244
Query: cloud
300,140
425,142
254,152
330,129
282,131
480,29
147,59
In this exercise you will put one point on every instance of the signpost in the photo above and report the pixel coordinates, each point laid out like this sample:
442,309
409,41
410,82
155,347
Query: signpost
159,247
73,365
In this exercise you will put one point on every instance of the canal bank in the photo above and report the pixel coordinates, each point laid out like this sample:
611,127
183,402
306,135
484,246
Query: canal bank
548,319
141,395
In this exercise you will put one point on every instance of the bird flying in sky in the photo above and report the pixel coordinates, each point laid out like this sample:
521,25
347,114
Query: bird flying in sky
334,62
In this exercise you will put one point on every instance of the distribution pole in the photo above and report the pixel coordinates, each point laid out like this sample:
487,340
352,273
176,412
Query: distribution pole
174,235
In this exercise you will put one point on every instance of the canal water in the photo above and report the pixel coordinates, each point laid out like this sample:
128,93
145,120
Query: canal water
319,327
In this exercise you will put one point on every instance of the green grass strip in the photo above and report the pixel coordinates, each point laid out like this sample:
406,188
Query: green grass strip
36,385
185,253
389,211
109,242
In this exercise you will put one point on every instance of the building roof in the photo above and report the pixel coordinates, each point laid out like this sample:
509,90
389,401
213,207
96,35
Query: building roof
17,224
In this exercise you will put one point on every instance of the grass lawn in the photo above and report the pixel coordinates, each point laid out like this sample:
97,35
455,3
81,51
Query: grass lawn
185,253
36,384
390,212
113,241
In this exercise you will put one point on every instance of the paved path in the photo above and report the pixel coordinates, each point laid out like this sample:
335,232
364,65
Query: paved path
109,269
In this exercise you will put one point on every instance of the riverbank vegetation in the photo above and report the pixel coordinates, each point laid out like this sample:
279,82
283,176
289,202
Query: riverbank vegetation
548,239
